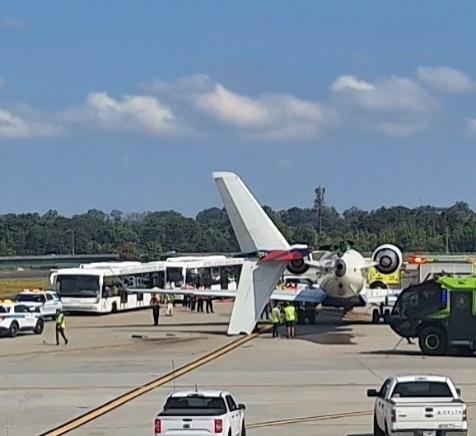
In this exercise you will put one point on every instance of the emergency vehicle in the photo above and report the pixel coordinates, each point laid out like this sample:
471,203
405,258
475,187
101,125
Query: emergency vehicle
15,317
47,302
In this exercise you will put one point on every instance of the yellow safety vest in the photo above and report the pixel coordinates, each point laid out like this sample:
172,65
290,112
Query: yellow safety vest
275,315
290,313
61,321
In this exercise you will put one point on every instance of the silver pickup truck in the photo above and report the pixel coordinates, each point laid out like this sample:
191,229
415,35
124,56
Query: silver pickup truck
201,413
415,405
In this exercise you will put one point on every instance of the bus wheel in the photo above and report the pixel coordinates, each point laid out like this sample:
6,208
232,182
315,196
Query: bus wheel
114,307
432,340
375,316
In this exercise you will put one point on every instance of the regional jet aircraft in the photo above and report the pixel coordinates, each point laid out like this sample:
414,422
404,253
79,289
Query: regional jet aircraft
267,254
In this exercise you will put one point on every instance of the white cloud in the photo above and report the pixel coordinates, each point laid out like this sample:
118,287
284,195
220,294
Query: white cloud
141,113
351,82
233,108
394,106
446,79
393,94
14,126
471,125
269,116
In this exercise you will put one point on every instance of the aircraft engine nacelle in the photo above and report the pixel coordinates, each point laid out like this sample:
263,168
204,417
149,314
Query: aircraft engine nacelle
388,258
298,266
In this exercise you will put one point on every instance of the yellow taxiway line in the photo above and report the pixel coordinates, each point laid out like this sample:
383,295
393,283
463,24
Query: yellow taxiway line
141,390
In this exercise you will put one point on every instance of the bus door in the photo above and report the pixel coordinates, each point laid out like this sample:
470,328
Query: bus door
462,322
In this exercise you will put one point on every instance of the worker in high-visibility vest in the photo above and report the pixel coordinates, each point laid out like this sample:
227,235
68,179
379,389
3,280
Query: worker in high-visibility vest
170,305
290,317
60,328
276,320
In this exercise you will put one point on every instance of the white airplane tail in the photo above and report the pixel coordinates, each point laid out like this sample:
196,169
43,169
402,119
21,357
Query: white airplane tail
255,232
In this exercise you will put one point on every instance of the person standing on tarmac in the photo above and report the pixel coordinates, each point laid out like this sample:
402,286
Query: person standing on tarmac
170,305
155,304
290,317
209,305
276,320
60,328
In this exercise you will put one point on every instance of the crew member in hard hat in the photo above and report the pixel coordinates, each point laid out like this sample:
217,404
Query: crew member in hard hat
61,327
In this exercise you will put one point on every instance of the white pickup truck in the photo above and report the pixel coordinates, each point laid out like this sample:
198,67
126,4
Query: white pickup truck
201,413
426,405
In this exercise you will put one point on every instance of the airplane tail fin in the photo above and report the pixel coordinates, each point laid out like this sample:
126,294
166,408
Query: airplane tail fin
253,228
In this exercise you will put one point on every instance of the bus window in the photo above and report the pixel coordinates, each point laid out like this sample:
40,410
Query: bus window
224,278
174,275
77,285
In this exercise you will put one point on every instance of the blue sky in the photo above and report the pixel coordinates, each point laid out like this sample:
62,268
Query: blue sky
131,105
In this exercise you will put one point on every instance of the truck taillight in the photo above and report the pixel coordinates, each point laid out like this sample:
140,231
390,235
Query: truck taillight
218,426
393,418
158,426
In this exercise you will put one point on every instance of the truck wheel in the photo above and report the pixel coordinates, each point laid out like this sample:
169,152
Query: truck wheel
40,324
13,330
375,316
432,340
377,431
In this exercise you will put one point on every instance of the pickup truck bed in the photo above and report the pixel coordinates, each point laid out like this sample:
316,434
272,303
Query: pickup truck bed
421,405
199,414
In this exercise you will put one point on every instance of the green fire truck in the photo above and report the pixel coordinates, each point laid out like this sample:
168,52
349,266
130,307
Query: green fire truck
441,313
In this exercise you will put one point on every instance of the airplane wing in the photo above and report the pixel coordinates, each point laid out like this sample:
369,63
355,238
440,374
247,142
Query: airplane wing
306,295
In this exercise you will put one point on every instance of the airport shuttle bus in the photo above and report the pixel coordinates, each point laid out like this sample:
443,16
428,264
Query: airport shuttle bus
107,287
202,272
112,287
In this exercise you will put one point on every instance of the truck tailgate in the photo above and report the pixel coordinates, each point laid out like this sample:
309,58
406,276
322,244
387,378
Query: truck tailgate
432,416
186,425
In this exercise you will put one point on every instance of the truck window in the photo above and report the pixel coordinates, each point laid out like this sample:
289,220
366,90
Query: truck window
420,300
231,403
384,388
422,389
195,405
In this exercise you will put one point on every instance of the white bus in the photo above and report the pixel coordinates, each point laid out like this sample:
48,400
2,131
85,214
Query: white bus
202,272
107,287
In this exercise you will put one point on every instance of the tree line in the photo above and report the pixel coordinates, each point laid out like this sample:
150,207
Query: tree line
145,236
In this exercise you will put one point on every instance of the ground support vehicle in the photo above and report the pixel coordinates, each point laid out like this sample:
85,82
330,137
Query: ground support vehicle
441,313
16,317
201,413
416,405
46,302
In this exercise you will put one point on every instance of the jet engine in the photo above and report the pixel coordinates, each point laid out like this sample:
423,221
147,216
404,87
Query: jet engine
388,258
298,266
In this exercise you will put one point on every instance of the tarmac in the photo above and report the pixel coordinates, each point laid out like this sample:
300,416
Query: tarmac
312,385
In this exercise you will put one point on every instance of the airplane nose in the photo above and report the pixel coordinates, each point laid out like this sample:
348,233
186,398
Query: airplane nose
340,268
